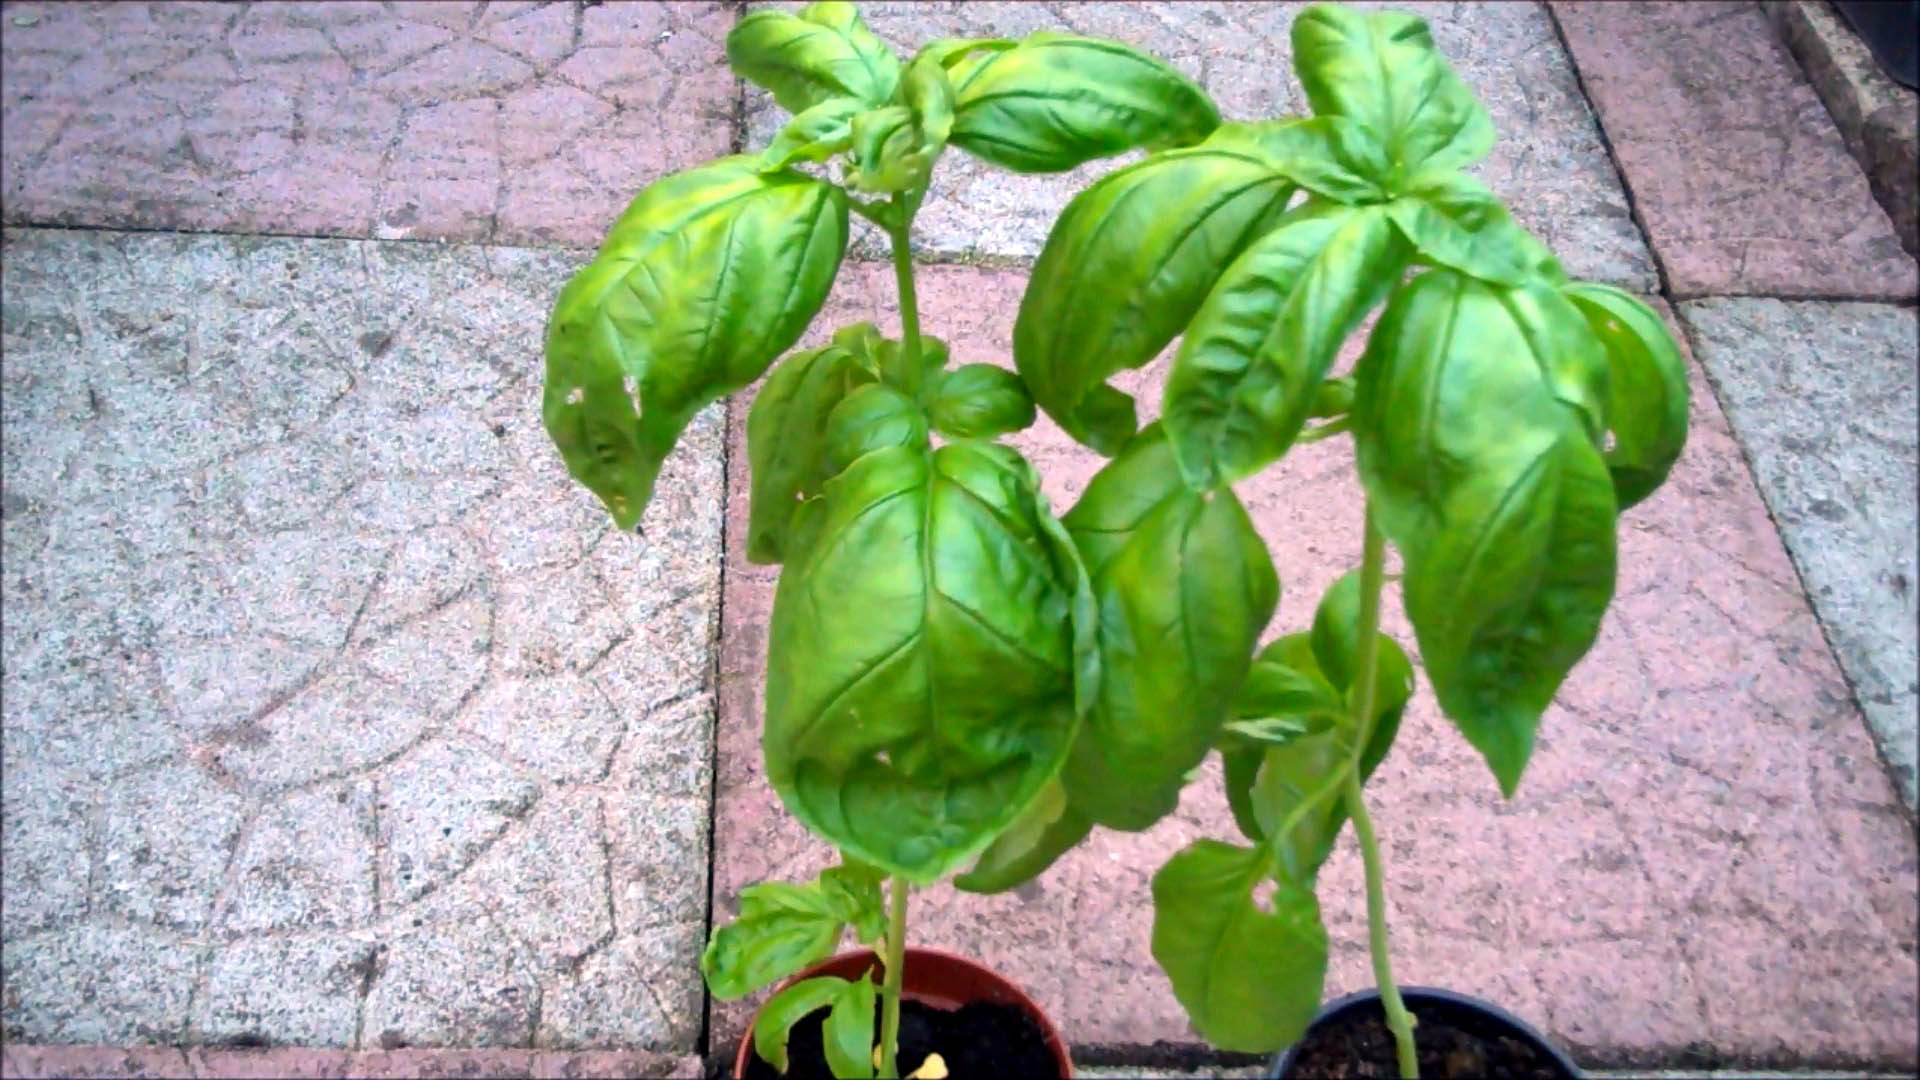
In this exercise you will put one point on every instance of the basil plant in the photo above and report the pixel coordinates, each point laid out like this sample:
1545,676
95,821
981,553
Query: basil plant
961,684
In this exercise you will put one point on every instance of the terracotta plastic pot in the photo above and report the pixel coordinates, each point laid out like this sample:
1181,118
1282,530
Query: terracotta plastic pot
1492,1017
932,977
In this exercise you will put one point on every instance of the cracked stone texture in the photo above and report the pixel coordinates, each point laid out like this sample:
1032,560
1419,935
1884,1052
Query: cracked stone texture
1705,856
335,714
1549,165
1838,470
509,122
293,1063
1738,174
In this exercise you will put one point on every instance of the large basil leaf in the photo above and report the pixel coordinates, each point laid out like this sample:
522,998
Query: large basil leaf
1120,496
979,401
1647,409
870,418
1125,267
705,279
1248,368
1249,979
1486,476
1048,829
821,52
1181,603
786,442
1056,101
1382,70
929,652
1453,220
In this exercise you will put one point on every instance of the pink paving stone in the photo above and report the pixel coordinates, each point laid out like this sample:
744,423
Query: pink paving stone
1704,852
1739,177
127,1063
502,122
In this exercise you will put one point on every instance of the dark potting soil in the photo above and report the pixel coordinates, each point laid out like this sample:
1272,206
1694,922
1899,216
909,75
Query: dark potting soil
981,1040
1452,1043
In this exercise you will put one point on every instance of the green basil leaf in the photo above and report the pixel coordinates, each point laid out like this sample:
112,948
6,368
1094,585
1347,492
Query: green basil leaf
1240,767
1181,603
887,155
1510,594
817,134
1120,496
1647,385
1332,156
786,442
1382,70
1335,641
980,401
929,655
1497,499
848,1034
1453,220
1057,101
1290,775
780,930
1249,979
789,1007
1284,683
871,418
705,279
821,52
1249,367
852,892
928,92
1047,830
1124,269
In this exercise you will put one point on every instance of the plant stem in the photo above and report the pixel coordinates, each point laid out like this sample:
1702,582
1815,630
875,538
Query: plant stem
1398,1020
1372,568
895,961
908,377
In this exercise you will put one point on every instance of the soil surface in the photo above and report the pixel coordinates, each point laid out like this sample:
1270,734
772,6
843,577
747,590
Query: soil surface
978,1040
1453,1044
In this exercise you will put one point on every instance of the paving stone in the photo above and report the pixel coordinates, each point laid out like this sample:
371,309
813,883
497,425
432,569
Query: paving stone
305,864
436,990
498,122
98,984
634,992
304,991
46,849
1739,176
356,568
1838,470
1549,165
296,1063
1702,765
158,865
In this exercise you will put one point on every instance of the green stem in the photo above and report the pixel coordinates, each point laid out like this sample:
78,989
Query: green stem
896,962
1372,569
908,378
1398,1020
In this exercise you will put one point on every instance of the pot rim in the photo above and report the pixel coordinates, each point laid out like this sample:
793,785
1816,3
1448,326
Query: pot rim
1284,1059
855,957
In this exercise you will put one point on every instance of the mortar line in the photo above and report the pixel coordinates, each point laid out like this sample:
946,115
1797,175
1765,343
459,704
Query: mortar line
1613,156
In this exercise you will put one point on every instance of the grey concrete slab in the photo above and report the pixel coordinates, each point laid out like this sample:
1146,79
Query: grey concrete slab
1822,396
1549,164
334,714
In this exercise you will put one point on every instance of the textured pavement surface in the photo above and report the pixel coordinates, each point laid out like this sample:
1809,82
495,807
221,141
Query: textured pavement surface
335,717
332,716
1737,172
1839,472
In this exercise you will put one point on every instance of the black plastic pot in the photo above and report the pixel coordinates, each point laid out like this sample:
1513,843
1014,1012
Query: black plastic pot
1421,999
